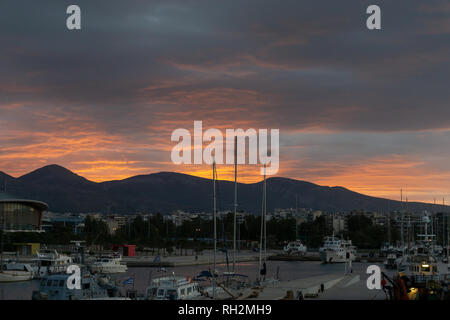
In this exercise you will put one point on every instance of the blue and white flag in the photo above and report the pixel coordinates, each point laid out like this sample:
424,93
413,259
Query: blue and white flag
129,281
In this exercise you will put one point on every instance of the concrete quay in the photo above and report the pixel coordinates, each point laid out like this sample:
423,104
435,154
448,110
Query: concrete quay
305,287
191,260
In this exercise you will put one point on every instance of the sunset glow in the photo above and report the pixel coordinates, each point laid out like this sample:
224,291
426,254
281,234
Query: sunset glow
356,109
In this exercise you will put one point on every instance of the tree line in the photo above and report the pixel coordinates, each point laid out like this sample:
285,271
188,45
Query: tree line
198,233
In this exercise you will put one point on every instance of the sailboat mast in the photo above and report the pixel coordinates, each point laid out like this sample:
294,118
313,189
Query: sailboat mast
408,236
3,234
3,216
215,230
235,204
262,224
401,217
265,215
443,229
448,243
296,216
389,222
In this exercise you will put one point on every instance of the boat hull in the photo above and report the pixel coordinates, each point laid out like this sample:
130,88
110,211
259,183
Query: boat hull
334,257
109,269
15,276
40,272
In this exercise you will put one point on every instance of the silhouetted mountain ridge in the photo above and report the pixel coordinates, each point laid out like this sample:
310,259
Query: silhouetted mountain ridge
164,192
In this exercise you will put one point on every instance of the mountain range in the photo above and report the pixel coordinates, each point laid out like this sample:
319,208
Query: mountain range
65,191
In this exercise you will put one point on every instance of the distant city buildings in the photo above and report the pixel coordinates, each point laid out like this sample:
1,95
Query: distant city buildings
31,215
74,221
337,223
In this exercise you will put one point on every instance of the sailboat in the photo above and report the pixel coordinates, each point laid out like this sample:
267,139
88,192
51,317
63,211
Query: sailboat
229,273
15,272
233,279
224,290
262,280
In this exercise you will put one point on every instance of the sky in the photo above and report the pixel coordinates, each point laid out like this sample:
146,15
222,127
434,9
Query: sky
364,109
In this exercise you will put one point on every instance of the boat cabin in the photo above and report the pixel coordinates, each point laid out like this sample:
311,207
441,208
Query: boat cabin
172,288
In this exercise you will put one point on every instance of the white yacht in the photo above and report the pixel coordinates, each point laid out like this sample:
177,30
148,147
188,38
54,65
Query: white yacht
173,288
15,272
335,250
108,264
93,287
295,247
421,267
50,262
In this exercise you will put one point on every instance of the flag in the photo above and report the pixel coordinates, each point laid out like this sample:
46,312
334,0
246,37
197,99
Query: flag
128,281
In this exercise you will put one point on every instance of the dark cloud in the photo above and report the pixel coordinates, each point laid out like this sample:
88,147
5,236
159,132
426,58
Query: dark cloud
139,69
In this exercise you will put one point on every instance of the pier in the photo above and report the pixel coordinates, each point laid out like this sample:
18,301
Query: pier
301,288
314,256
191,260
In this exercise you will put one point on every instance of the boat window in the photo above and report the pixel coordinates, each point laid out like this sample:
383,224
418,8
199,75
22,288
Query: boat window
160,292
189,290
45,263
55,283
49,283
425,268
43,282
172,294
61,283
182,292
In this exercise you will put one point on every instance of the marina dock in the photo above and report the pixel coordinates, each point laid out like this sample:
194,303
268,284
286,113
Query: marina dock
181,261
314,256
307,287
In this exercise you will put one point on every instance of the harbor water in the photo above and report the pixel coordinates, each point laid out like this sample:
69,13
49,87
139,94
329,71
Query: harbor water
283,270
